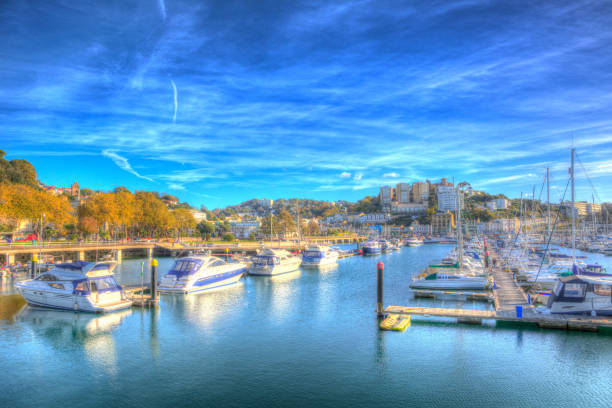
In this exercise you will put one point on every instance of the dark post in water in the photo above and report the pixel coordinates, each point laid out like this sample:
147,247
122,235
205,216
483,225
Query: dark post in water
33,270
154,280
380,293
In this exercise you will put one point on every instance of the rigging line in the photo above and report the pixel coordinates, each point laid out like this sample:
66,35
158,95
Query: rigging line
587,176
551,234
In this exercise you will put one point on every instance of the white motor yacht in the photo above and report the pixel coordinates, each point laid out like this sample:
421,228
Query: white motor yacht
197,273
271,262
319,255
582,294
81,286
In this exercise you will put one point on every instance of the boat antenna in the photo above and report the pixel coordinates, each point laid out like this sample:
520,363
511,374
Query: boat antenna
573,208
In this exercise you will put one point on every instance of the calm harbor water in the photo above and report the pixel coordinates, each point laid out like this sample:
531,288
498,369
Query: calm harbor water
304,339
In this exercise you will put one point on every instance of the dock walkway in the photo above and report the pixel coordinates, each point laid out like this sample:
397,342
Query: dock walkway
507,296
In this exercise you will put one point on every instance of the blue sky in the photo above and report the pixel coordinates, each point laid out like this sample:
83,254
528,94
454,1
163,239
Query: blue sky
222,101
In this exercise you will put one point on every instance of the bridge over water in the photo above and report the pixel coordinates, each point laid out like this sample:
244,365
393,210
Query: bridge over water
80,251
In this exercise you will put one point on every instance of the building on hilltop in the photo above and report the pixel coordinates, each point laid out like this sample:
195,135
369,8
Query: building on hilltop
420,192
386,196
265,202
408,208
582,208
75,191
402,193
198,216
447,199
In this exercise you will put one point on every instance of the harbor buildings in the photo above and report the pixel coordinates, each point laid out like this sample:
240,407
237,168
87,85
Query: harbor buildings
447,199
402,193
420,192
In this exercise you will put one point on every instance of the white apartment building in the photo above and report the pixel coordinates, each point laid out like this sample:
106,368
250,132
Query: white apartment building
402,193
447,199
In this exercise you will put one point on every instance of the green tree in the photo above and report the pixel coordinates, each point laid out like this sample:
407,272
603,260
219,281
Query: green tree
206,229
229,237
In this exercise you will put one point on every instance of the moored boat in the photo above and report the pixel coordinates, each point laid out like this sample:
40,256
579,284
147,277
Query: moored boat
271,262
319,255
80,286
372,248
197,273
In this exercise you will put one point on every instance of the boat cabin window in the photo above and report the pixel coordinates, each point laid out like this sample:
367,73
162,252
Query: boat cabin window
602,290
217,262
103,284
47,277
83,286
185,266
574,290
57,286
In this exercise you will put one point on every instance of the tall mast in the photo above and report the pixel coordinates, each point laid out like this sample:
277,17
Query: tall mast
573,210
460,235
548,201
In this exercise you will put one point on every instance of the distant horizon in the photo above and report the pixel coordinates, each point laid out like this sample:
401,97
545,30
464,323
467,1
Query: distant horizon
526,195
222,101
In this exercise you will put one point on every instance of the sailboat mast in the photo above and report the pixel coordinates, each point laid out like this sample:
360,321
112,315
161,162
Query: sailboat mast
547,201
460,236
573,210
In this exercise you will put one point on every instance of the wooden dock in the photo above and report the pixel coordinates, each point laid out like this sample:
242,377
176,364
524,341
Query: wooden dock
507,295
480,296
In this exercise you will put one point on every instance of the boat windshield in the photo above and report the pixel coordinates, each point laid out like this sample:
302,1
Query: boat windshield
105,284
184,267
312,254
266,260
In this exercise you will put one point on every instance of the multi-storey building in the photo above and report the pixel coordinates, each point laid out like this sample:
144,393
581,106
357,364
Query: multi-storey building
243,229
420,192
447,199
386,196
408,208
402,193
442,223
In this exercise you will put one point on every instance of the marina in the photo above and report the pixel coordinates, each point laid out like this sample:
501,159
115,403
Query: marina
289,320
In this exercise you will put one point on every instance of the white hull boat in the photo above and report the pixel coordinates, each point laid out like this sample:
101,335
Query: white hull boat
79,286
198,273
319,256
271,262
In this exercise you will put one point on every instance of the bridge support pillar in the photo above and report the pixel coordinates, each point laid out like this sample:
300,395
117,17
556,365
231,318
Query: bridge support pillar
81,256
119,256
9,258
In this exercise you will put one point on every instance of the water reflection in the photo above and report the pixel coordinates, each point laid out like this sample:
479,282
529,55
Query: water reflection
94,332
205,308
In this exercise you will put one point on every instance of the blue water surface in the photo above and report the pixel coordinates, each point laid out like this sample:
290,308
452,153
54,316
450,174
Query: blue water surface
303,339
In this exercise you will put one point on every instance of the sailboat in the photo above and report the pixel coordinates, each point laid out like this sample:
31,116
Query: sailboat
581,293
451,276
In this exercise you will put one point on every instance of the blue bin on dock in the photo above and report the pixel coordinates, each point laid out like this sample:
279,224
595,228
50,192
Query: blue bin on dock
519,312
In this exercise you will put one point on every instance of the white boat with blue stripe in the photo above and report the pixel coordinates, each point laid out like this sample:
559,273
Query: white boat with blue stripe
197,273
319,255
80,286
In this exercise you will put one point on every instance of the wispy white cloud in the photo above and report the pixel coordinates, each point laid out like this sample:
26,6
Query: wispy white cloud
175,99
162,9
345,174
391,175
123,163
357,176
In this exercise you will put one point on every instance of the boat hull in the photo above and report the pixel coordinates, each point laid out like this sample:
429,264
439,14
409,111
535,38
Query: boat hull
52,300
268,270
448,284
206,283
